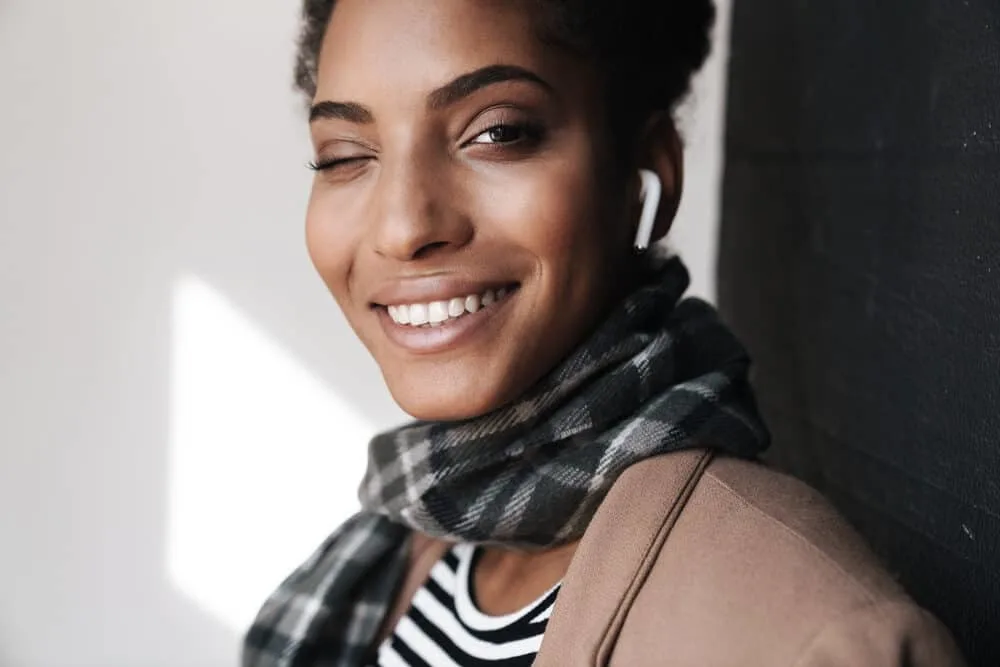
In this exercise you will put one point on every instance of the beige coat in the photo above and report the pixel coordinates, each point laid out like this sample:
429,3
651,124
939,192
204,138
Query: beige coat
702,561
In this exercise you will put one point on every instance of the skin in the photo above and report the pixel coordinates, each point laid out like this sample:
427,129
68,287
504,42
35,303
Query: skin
509,183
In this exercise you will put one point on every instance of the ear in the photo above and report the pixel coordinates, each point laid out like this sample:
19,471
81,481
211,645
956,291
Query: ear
660,149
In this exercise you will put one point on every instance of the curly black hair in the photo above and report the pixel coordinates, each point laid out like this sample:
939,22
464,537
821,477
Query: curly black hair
648,49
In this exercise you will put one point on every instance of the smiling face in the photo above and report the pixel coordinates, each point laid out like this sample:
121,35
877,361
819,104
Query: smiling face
467,214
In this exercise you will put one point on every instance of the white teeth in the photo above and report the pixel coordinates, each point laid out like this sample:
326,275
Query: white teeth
437,313
418,314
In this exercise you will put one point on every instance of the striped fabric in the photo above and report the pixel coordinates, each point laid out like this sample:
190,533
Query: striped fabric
444,628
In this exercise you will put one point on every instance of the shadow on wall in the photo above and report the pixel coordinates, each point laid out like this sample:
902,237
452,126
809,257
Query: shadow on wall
858,262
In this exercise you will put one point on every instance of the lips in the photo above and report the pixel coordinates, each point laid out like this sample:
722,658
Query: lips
438,315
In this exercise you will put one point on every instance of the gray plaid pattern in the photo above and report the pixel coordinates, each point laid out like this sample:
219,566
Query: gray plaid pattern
656,377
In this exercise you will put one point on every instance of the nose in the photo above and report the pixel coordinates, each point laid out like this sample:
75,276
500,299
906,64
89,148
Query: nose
416,211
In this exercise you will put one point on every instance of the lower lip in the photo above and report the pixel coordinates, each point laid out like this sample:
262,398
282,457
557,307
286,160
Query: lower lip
449,334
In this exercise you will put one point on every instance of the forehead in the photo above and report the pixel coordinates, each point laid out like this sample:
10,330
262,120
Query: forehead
393,46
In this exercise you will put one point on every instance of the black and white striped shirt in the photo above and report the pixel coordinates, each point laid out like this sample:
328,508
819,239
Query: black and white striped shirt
444,628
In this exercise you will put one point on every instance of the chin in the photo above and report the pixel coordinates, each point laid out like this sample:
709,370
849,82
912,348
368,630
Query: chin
445,406
446,401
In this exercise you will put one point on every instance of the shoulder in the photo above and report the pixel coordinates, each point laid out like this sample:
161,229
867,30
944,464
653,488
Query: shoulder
761,559
744,518
785,529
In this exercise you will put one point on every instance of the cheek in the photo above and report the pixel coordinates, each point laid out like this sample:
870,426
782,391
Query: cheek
329,245
551,211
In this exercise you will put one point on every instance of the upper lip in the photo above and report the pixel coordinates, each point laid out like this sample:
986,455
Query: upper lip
431,288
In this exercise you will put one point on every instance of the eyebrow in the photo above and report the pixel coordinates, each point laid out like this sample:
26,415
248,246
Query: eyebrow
446,95
349,111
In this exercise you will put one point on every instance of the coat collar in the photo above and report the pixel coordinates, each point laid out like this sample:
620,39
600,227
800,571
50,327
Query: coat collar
615,555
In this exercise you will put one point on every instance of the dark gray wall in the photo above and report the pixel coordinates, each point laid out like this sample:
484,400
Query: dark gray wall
860,262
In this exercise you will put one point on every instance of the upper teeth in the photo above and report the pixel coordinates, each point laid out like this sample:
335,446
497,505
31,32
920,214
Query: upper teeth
436,312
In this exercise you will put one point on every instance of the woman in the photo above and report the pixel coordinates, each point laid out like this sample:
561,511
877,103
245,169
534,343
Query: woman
580,486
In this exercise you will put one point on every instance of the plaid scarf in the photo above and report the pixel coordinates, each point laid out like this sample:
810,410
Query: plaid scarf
656,377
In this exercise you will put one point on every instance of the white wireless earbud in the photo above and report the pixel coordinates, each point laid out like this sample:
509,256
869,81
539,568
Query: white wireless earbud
649,193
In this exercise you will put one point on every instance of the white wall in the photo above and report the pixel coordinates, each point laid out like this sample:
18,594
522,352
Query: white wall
702,123
183,412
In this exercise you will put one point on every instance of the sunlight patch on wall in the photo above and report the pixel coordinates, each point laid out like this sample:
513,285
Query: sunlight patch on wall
264,458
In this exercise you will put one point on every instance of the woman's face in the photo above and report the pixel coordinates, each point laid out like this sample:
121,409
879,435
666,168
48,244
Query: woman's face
465,215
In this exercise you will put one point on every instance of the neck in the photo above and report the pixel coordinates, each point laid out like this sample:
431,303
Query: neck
505,581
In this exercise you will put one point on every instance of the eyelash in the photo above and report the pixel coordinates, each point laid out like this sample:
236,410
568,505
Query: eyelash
532,133
326,165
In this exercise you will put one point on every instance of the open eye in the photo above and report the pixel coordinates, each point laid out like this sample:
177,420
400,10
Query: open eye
508,133
500,134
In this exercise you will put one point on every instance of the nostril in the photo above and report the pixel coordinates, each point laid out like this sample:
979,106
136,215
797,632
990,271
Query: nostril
428,249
